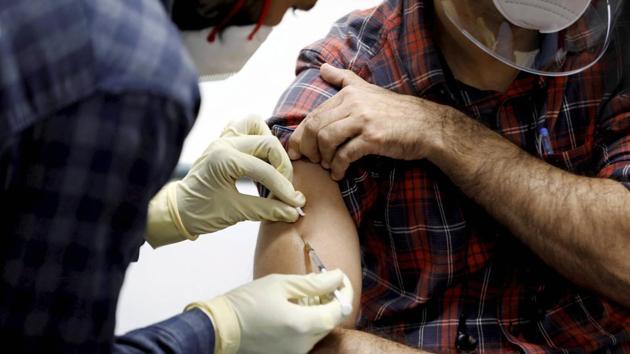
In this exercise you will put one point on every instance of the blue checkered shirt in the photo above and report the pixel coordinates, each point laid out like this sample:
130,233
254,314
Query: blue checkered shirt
96,98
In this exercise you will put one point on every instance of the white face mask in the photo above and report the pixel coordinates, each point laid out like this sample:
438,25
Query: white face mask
545,16
227,54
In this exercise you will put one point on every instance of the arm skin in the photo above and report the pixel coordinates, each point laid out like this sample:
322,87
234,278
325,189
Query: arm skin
578,225
342,341
329,228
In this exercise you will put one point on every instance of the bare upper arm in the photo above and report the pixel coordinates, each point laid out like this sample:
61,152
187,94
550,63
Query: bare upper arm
327,226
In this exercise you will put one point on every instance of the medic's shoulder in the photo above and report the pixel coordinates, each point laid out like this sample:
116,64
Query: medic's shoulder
137,48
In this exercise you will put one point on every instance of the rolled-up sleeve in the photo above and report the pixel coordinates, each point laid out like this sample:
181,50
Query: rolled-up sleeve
344,47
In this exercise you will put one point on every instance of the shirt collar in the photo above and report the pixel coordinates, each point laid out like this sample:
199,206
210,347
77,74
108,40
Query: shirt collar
419,54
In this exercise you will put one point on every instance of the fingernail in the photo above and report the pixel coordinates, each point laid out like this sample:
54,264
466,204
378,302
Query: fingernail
300,199
293,155
300,211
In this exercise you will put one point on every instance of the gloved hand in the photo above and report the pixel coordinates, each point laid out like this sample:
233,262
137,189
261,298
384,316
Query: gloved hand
264,316
207,200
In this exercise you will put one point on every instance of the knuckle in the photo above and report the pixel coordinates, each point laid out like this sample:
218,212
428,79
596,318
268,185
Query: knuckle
277,215
294,140
350,90
357,106
372,135
269,141
274,143
343,156
348,94
302,328
323,137
362,113
220,154
310,126
314,117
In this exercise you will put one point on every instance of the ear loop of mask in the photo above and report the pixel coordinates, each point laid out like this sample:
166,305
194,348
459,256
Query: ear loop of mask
235,9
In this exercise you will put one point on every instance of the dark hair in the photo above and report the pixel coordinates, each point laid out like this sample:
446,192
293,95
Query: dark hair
191,15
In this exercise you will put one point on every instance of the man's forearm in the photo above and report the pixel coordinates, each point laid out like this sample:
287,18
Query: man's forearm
343,341
578,225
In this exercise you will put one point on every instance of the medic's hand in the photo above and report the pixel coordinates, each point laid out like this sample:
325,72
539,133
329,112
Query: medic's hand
264,316
364,119
207,200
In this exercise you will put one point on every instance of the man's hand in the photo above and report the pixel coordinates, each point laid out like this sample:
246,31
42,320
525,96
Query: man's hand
342,341
207,200
364,119
278,313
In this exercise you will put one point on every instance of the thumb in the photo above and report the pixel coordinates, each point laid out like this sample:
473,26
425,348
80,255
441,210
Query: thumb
314,284
339,77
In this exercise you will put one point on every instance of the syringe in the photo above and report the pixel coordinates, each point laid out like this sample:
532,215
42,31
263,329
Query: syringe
346,306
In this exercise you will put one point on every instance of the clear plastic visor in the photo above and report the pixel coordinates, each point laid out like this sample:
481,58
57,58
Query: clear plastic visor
565,52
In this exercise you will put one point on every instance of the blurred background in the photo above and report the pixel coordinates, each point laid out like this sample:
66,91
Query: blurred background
164,281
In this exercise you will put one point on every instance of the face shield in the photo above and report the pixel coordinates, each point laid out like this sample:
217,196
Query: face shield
542,37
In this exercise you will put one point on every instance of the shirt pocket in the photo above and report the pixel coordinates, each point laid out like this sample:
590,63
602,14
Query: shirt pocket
578,160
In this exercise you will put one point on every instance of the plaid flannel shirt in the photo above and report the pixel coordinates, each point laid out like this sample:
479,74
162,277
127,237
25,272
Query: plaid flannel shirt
96,98
435,265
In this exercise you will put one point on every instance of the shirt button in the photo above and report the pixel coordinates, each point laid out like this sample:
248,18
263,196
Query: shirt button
465,343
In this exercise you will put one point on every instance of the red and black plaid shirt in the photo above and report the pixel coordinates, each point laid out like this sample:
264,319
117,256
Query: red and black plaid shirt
434,264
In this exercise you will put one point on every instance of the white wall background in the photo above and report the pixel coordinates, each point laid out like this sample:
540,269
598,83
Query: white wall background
163,281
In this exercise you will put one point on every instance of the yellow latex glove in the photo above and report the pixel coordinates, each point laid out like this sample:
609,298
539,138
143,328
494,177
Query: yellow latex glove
264,316
207,200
